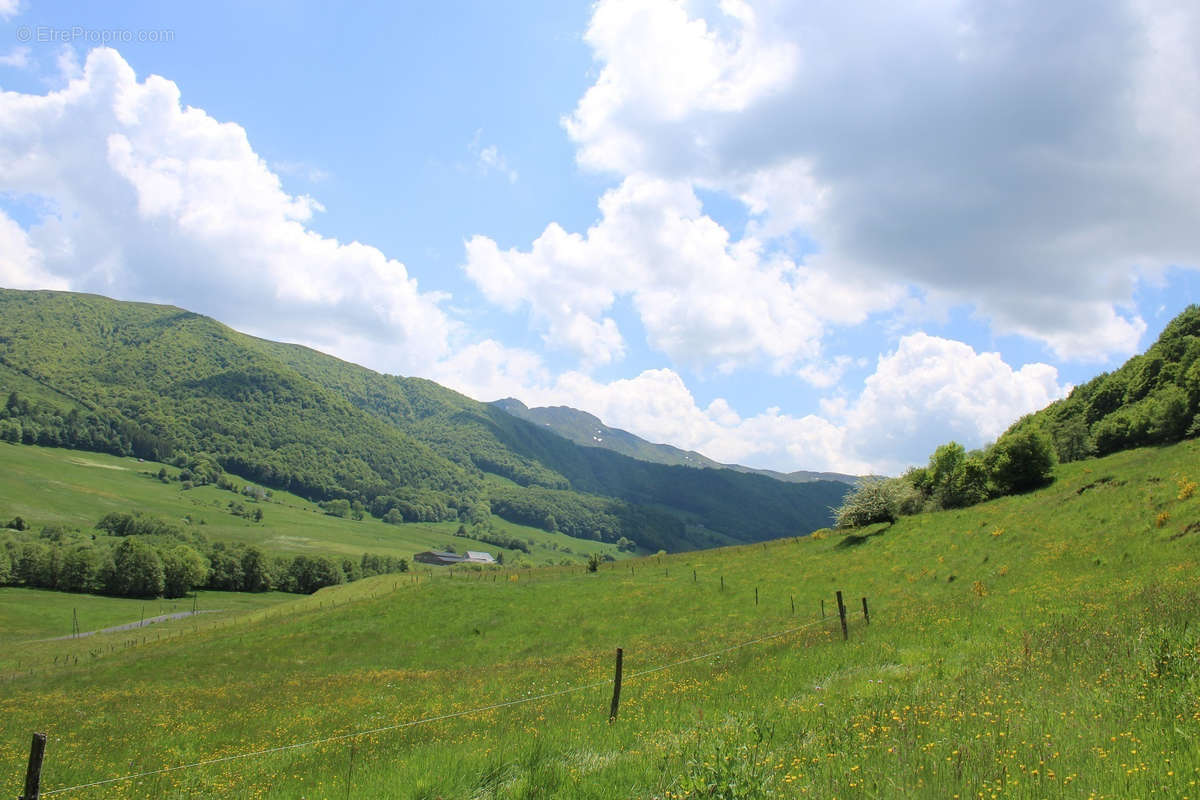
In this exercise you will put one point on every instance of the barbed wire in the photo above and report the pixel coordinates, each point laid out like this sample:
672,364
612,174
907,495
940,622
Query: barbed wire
427,720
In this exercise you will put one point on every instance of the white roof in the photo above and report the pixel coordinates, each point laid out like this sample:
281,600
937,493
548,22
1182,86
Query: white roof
475,555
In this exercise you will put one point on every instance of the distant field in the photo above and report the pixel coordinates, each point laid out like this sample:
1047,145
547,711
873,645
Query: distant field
50,486
31,614
1036,646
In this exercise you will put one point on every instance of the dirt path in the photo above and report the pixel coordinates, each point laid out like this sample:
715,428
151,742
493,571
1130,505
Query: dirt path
128,626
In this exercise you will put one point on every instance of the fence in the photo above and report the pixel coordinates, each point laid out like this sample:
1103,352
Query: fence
37,749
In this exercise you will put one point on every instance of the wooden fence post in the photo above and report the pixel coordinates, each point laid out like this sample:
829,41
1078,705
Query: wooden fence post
33,774
822,608
793,605
755,595
616,698
866,612
842,616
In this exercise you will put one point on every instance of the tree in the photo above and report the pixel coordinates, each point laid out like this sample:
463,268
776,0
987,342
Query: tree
136,570
942,464
1072,442
966,485
1020,461
1167,415
337,508
183,569
256,572
32,566
315,573
80,570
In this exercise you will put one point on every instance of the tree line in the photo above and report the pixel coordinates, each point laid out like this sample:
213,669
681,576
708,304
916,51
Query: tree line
953,478
140,555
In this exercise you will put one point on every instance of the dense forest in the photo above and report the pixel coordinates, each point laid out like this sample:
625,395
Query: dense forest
136,379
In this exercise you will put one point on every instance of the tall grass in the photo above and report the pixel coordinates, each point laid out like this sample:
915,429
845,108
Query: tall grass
1036,646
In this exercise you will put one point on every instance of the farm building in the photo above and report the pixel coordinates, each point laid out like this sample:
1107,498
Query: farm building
445,559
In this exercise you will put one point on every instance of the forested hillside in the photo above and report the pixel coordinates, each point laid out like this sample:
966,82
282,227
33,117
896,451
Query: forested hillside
1154,398
129,378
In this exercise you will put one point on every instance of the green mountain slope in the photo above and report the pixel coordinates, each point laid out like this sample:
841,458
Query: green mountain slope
1154,398
588,430
156,381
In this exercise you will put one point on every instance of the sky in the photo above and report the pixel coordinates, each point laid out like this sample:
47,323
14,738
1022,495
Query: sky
789,235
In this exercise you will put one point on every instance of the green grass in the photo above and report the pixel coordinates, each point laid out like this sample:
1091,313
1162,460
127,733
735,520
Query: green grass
51,486
28,615
1035,646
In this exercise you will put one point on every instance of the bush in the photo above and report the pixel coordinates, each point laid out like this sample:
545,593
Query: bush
874,500
966,485
1021,461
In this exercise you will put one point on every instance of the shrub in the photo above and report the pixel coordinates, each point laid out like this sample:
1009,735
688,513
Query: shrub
874,500
1021,461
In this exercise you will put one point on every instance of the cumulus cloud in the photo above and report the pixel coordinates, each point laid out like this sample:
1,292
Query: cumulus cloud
702,298
9,8
1025,159
20,262
151,199
922,394
931,390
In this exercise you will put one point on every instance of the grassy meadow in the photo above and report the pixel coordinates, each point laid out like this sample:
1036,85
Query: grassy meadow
52,486
1035,646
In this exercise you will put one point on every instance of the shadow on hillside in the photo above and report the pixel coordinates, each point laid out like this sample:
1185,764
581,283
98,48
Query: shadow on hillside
855,539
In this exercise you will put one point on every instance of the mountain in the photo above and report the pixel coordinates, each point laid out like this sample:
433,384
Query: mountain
160,382
587,430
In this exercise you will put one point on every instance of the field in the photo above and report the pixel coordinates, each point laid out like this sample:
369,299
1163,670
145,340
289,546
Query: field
51,486
1034,646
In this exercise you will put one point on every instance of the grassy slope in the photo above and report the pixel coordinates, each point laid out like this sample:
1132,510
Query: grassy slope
1033,646
50,486
31,614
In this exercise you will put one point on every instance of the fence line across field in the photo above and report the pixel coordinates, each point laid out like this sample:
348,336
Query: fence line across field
427,720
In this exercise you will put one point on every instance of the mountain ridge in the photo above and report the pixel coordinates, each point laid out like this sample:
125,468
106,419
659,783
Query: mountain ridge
588,430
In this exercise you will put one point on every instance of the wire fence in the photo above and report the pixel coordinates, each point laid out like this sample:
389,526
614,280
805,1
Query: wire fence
432,719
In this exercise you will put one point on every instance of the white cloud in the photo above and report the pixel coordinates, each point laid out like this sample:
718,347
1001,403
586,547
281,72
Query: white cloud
9,8
701,298
660,67
1024,159
159,201
489,159
20,262
18,57
926,392
931,390
300,169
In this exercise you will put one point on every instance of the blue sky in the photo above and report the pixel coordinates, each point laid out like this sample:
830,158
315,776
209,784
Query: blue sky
784,235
